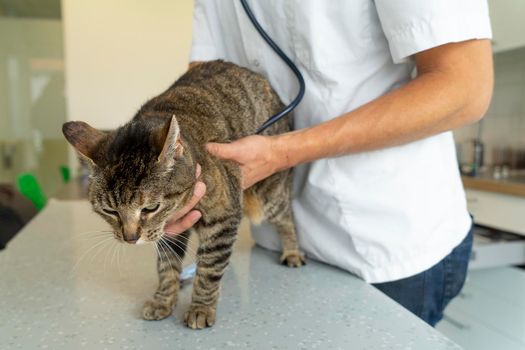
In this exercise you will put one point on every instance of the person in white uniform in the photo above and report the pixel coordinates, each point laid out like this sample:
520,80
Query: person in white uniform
377,190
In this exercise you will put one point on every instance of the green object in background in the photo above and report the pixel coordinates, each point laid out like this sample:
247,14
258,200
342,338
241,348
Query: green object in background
28,185
66,173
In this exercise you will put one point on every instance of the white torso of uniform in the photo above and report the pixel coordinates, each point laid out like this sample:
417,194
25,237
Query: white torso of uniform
382,215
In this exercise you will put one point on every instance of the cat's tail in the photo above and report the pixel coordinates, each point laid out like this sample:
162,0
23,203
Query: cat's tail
252,207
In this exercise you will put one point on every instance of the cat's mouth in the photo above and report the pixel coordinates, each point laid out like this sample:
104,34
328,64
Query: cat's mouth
152,237
140,241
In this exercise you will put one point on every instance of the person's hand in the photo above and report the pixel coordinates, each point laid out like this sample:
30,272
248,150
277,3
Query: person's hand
186,217
258,156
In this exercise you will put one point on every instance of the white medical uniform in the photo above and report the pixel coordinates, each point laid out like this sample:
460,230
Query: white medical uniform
382,215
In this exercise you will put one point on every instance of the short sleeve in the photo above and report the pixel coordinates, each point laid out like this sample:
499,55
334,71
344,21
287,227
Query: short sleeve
411,26
202,46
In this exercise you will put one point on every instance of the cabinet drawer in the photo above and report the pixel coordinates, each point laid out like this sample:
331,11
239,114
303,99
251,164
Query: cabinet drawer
500,211
496,248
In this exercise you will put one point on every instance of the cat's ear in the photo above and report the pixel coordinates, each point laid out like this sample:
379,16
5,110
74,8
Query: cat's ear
171,144
84,138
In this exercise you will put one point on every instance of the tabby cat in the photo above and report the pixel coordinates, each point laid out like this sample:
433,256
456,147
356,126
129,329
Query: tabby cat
144,171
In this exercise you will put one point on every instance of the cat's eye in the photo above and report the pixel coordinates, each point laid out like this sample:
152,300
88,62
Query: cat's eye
110,212
151,208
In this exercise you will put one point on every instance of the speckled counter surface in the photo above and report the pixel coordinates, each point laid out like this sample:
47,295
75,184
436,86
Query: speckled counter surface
55,293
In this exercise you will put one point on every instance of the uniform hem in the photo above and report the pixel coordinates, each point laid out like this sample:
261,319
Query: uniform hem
417,264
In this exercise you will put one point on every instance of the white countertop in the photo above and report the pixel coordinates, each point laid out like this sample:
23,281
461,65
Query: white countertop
47,302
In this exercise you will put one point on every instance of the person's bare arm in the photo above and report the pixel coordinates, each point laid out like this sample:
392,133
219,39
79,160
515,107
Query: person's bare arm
453,88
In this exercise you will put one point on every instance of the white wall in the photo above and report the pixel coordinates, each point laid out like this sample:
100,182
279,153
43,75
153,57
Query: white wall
31,78
32,106
119,53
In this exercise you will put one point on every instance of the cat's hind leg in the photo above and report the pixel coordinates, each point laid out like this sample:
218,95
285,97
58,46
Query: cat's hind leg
275,196
170,253
283,221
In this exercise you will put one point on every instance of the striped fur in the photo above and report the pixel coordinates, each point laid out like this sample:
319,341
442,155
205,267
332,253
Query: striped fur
152,160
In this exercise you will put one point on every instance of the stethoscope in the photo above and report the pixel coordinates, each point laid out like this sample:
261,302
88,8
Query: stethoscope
276,117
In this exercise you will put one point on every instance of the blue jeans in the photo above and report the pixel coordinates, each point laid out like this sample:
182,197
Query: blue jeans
427,294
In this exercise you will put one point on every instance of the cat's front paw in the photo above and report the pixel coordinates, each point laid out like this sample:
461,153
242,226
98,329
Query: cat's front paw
199,317
293,258
156,310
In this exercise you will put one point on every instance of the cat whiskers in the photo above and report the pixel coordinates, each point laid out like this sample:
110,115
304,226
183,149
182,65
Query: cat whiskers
118,249
94,231
191,254
170,250
173,237
108,251
175,240
111,263
91,234
158,251
106,256
162,251
95,245
164,243
115,259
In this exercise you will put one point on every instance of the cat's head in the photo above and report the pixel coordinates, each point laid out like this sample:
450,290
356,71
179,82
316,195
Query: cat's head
140,174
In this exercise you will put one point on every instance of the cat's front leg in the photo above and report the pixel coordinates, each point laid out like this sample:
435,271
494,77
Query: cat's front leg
170,253
213,257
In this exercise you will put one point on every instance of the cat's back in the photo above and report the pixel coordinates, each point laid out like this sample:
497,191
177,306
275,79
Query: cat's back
213,72
223,100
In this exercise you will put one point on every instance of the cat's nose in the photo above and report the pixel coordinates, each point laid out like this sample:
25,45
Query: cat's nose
131,238
130,230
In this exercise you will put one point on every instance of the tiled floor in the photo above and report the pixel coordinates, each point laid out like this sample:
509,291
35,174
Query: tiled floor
490,312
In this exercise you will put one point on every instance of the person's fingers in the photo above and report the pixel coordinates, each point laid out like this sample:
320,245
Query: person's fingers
245,183
191,219
198,171
198,193
222,150
179,226
185,218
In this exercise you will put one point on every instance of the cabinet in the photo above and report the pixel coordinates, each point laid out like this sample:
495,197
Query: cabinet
497,210
508,24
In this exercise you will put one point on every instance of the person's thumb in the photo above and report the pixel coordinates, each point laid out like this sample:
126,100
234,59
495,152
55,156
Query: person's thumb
221,150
